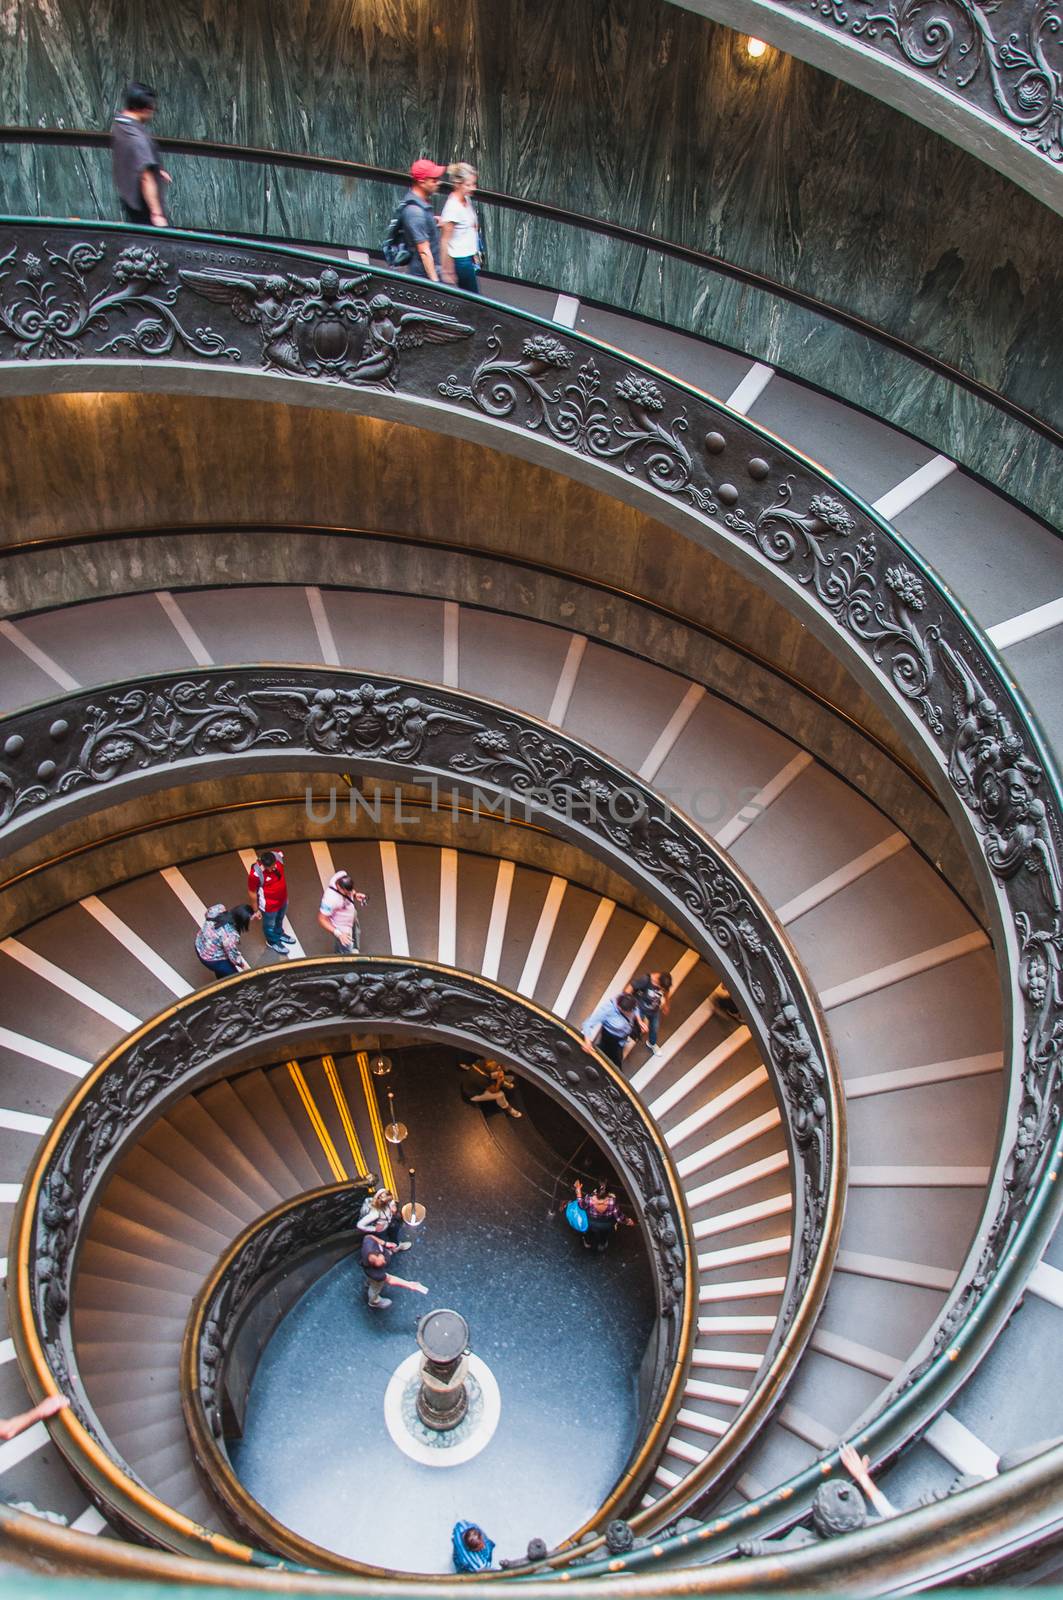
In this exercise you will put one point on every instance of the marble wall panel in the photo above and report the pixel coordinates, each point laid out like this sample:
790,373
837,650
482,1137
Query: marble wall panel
628,109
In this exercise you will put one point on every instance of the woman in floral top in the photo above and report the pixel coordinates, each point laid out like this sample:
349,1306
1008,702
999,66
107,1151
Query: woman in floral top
604,1216
218,940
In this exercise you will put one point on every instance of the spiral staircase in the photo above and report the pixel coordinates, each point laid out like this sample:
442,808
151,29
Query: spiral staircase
897,955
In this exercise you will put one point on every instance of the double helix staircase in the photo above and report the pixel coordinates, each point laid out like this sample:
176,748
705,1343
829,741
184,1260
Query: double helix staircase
911,1007
904,973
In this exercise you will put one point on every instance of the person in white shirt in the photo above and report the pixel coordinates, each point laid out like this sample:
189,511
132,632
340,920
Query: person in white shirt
380,1214
460,229
338,913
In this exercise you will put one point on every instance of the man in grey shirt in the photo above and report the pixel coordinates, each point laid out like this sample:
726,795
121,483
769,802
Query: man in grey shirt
138,172
419,226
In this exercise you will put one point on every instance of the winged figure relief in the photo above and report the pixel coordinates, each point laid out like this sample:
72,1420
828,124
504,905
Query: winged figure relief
325,326
394,327
255,299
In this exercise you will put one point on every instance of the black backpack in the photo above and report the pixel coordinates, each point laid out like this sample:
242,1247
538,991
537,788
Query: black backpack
395,249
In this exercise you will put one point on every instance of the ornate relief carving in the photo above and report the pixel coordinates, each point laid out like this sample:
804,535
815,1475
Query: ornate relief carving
101,739
857,574
49,310
325,327
329,327
1005,57
576,414
869,588
272,1002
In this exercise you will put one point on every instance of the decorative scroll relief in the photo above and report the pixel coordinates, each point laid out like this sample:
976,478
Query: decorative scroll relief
102,739
366,991
68,305
874,594
1004,56
793,519
276,1241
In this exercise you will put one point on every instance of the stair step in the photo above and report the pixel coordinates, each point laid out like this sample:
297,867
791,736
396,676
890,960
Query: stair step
127,1198
169,1456
229,1111
96,1326
158,1177
127,1354
195,1122
127,1415
280,1080
255,1091
93,1293
181,1155
129,1268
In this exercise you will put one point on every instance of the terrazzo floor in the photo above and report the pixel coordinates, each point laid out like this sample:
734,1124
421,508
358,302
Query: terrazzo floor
563,1331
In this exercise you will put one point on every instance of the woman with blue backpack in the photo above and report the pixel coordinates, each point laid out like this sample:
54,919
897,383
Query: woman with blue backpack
596,1216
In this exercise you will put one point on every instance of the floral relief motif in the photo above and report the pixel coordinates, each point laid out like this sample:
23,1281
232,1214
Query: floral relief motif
1002,57
858,577
576,414
52,309
907,586
845,580
267,1004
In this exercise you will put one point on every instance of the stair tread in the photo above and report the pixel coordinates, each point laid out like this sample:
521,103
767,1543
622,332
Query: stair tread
144,1168
127,1198
191,1118
181,1155
225,1105
256,1092
280,1081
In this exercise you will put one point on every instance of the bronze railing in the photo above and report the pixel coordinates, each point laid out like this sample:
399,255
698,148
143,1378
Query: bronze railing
105,306
301,1230
132,736
210,1033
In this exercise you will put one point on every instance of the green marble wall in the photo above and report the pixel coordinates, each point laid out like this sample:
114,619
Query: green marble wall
630,109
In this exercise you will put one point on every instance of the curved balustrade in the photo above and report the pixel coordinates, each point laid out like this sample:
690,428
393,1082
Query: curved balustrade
211,1032
781,328
156,729
988,76
269,1247
300,1230
280,322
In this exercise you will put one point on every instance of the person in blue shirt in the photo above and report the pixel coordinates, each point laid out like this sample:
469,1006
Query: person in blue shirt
473,1550
615,1021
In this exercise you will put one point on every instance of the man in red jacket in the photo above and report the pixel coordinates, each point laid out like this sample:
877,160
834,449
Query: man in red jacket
268,887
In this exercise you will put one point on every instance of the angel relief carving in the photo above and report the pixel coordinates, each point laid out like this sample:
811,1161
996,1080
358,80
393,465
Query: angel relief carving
325,326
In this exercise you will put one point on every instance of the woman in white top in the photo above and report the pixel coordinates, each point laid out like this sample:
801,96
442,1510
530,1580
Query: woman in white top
460,229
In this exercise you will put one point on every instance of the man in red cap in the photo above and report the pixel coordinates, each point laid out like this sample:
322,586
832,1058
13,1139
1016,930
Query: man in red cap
419,226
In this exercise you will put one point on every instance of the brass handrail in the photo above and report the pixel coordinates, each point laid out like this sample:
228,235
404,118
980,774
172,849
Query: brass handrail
858,579
597,583
88,1458
769,949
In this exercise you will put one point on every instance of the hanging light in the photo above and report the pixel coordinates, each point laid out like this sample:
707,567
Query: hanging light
380,1066
396,1131
756,48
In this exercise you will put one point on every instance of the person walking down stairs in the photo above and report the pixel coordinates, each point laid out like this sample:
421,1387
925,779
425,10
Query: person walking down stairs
268,888
338,913
218,940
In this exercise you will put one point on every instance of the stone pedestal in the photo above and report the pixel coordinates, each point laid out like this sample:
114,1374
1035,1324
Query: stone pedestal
443,1398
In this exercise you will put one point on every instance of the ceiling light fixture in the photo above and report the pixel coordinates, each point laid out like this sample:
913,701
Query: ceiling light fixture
755,48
